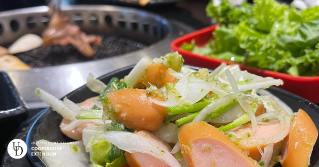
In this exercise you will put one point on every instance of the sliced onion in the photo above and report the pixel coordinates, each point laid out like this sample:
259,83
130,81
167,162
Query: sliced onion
95,85
214,105
75,123
64,154
176,148
137,72
94,131
228,116
264,84
193,89
218,70
167,103
280,102
266,156
71,105
168,133
131,143
72,125
249,111
232,82
56,104
98,104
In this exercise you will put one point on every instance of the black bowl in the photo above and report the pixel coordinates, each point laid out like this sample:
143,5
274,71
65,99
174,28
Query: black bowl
13,110
47,125
11,103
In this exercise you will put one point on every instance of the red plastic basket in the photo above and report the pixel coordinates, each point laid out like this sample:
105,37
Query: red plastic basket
307,87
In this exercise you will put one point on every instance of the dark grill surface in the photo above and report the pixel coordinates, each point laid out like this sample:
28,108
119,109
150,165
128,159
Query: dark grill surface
58,55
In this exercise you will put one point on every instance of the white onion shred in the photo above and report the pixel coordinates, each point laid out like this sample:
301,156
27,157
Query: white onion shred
98,104
167,103
280,102
95,85
131,143
176,148
229,116
56,104
242,101
69,154
264,84
75,123
218,70
71,105
192,89
137,72
168,133
266,156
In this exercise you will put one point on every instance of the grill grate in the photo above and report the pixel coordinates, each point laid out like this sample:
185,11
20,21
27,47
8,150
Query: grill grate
123,30
59,55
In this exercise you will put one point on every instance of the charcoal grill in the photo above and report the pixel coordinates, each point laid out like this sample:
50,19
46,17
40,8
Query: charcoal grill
143,34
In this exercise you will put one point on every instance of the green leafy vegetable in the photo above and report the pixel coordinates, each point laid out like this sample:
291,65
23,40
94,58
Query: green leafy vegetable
266,35
113,154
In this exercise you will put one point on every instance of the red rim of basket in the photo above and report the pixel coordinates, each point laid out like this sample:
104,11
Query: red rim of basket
175,46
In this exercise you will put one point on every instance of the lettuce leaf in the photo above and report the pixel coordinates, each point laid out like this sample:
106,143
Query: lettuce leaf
267,12
266,35
227,14
310,13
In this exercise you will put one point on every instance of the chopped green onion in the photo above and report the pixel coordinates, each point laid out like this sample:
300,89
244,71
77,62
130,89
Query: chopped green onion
89,114
187,108
237,122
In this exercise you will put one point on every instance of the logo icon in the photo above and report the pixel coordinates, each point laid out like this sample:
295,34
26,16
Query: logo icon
17,148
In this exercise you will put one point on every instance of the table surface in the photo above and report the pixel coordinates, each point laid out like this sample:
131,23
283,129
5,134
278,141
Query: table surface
189,13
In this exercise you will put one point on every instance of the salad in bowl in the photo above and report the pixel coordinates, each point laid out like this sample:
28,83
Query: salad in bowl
166,114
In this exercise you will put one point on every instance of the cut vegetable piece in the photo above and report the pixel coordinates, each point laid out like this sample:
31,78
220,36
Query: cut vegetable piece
25,43
264,130
133,143
237,122
135,109
171,60
204,145
56,104
137,72
168,133
76,132
229,116
65,154
299,143
157,74
187,108
71,105
193,88
89,114
220,103
95,85
138,159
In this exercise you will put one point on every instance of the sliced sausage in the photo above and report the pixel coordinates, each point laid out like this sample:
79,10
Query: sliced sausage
299,143
135,109
157,74
263,130
204,145
145,160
